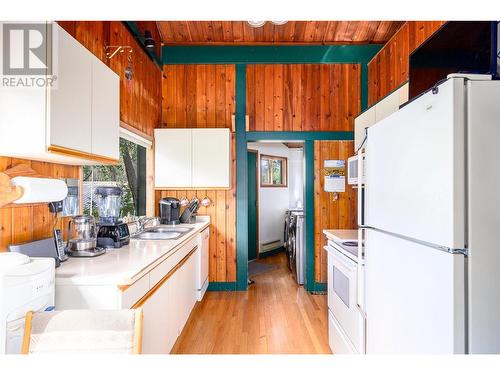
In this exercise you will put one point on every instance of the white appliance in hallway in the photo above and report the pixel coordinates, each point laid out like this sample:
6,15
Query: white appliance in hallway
431,223
26,284
295,243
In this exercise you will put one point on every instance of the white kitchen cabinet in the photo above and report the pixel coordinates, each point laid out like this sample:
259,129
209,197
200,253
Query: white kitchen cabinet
160,329
105,111
211,157
69,103
378,112
192,158
387,106
173,158
363,121
75,121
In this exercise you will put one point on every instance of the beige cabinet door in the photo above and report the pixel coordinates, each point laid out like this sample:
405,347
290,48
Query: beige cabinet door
211,158
387,106
363,121
69,101
173,158
105,110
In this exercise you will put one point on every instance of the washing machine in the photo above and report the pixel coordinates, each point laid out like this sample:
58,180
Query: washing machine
26,284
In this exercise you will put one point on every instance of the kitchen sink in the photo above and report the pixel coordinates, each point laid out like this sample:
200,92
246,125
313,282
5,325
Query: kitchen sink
162,233
169,230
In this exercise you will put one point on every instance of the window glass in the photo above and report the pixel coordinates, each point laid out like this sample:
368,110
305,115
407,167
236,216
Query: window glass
273,171
129,174
264,172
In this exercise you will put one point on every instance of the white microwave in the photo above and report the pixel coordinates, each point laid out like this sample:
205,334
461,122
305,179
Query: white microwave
353,168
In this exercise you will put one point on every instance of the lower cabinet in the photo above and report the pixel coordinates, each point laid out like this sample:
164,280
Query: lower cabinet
159,325
167,306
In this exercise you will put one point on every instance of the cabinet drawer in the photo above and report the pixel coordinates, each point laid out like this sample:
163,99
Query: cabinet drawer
135,292
339,343
168,264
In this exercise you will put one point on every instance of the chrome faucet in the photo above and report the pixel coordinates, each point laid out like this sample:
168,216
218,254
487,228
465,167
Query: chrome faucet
141,223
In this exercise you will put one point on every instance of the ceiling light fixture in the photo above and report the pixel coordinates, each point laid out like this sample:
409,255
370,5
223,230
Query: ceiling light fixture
149,42
256,23
278,23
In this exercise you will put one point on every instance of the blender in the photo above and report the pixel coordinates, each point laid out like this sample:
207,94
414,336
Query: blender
113,233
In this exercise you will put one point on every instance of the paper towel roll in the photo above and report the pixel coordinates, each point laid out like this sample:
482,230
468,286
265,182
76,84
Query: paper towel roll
40,190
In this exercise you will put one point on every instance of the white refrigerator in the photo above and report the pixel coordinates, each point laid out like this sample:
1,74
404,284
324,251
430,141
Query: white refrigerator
431,282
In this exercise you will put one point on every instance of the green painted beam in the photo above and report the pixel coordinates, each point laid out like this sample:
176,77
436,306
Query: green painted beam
300,136
309,213
241,180
222,287
136,33
275,54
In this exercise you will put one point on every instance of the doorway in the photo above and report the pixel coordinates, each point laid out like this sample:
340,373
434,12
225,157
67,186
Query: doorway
276,183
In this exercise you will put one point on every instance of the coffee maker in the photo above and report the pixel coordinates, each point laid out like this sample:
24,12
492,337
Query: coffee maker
113,233
169,211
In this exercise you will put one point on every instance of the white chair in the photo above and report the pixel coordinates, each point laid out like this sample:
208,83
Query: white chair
83,331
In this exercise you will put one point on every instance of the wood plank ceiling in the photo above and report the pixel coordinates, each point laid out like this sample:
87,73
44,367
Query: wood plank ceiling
297,32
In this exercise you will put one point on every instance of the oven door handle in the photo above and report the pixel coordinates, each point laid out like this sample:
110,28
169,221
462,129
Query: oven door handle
341,260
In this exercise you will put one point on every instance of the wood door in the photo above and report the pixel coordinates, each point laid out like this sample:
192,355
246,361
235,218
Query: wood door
70,100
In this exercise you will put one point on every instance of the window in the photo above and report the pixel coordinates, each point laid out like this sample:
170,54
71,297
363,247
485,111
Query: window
273,171
129,174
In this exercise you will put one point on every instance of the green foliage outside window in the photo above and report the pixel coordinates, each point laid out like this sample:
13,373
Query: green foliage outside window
126,175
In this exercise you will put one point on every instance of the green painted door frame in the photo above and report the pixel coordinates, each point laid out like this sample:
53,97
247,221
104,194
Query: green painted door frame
252,205
241,56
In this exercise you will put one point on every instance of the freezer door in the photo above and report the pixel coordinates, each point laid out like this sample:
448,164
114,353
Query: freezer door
415,169
414,297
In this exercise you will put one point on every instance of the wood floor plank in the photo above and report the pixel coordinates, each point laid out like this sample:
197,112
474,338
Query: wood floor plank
275,316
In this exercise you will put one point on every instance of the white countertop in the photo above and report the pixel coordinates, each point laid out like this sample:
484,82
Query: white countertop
341,235
125,265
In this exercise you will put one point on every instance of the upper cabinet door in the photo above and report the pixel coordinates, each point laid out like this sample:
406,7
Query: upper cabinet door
211,158
105,110
172,158
69,108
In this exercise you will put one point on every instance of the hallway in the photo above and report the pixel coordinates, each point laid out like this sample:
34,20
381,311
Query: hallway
274,316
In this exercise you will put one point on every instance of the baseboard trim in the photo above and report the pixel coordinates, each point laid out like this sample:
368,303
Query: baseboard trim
222,287
272,252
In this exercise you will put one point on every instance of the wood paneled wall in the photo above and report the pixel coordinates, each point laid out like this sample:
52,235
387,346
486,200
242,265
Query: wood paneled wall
330,214
222,212
309,97
390,67
34,222
198,95
140,99
204,96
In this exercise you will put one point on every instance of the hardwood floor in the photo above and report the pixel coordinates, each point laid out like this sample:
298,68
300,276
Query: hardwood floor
275,316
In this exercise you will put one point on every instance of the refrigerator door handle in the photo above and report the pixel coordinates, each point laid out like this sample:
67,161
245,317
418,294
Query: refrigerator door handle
360,272
361,182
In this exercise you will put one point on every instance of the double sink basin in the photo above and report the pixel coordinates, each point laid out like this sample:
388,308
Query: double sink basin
162,233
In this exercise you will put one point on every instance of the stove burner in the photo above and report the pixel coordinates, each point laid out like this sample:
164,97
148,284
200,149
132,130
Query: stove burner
350,243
